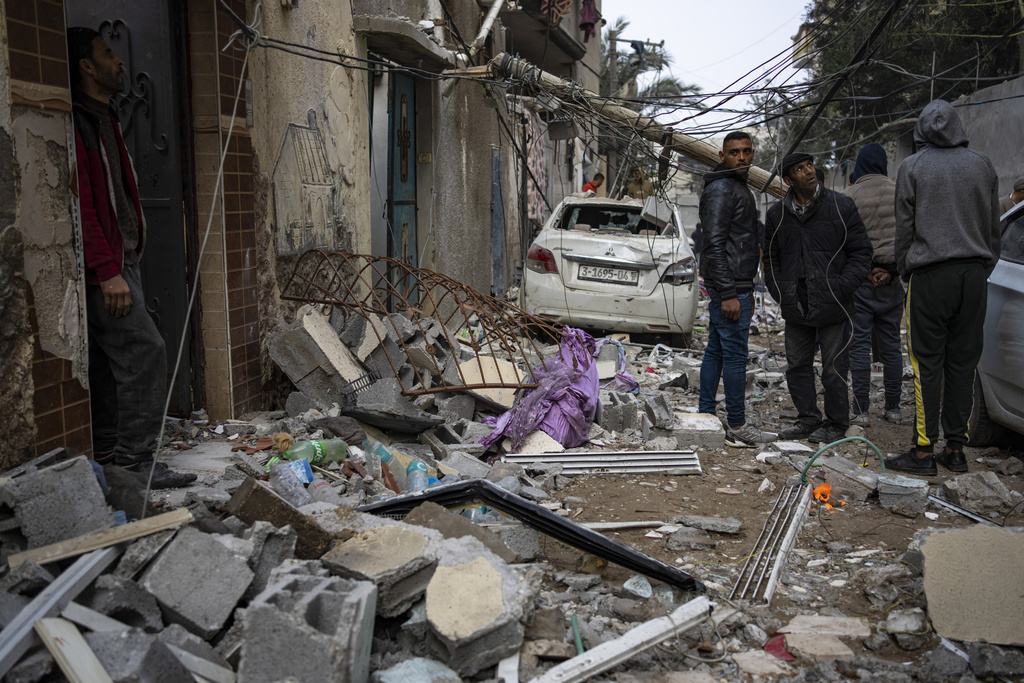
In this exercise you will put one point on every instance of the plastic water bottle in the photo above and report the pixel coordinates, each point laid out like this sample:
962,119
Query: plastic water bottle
288,485
416,476
322,492
318,452
387,458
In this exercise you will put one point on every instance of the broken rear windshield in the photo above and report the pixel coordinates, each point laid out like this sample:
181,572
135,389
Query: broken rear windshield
608,220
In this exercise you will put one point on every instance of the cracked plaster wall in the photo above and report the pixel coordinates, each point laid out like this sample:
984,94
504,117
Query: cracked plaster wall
285,88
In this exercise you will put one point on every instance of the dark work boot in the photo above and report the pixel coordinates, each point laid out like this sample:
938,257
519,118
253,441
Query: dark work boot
911,464
163,476
952,458
801,430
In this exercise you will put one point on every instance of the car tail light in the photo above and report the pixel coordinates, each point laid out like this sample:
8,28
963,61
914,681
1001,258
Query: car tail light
540,260
680,272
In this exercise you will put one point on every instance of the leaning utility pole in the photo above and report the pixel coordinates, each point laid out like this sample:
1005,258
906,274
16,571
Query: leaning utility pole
507,66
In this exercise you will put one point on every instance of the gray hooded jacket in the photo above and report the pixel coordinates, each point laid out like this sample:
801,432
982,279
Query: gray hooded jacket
947,197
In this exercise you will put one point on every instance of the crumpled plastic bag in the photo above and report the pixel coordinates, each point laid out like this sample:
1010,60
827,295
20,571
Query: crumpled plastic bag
563,403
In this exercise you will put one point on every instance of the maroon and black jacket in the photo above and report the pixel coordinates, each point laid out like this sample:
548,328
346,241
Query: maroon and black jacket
101,237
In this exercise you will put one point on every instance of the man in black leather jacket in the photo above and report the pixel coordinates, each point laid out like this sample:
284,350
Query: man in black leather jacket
817,253
729,258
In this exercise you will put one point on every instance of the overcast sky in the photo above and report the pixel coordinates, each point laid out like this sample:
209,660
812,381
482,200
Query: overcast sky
712,42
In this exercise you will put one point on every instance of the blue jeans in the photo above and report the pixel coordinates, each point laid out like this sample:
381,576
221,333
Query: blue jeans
725,358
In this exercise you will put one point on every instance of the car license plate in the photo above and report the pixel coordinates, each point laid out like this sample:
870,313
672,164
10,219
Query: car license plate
614,275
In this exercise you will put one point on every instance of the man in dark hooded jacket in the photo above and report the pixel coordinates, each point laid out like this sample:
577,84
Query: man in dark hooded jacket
878,302
947,241
729,257
816,256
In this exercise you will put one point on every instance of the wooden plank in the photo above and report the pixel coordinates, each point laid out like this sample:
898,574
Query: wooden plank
614,652
202,668
18,635
73,655
91,619
101,539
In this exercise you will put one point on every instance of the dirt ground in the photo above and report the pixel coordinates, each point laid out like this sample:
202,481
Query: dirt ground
865,526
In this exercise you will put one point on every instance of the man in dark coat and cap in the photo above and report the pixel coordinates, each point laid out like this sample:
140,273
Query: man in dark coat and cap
816,255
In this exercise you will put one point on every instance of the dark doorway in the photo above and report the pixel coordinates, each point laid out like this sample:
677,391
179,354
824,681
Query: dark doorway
143,35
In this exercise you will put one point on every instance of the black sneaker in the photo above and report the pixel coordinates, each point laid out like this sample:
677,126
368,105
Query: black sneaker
952,459
827,433
911,464
163,476
801,430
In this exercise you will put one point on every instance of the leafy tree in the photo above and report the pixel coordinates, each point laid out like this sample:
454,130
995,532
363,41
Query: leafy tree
961,38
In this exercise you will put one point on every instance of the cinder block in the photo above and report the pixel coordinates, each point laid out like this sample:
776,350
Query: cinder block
699,429
466,465
255,501
458,407
417,670
28,578
126,601
135,657
399,559
895,488
197,582
620,411
58,502
659,411
308,629
178,636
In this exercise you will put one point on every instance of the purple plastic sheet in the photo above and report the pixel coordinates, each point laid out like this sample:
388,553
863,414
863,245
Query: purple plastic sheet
623,382
564,401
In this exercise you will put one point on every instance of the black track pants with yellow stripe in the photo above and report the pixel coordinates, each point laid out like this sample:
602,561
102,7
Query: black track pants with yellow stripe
945,333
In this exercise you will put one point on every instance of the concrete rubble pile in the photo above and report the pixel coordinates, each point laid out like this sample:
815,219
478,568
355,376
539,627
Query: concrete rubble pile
226,580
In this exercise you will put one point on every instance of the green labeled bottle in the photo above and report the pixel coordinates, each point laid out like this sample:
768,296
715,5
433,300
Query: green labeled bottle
318,452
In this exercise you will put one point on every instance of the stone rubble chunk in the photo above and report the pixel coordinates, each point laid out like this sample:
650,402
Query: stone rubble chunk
980,492
855,481
417,670
760,665
475,605
135,657
398,559
28,578
720,525
271,548
254,501
833,626
910,628
47,510
704,431
450,525
689,538
992,660
816,646
197,582
125,601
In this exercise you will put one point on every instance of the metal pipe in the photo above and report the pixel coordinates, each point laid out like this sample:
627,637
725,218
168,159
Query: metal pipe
776,547
485,28
757,543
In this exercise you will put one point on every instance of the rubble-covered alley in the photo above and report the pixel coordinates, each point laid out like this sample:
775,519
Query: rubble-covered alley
882,578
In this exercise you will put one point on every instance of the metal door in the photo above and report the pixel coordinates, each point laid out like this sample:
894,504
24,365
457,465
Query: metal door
142,34
402,172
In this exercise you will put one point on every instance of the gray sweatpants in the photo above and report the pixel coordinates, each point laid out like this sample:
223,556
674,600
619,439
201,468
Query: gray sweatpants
127,375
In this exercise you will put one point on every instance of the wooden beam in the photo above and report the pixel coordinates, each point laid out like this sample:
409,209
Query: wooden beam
74,656
101,539
614,652
507,66
17,636
91,619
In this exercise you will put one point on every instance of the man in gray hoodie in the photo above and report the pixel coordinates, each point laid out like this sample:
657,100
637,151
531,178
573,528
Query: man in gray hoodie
947,241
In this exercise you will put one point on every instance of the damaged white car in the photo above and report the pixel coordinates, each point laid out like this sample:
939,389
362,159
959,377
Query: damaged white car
620,266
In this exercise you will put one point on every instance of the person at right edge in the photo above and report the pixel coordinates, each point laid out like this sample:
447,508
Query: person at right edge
127,357
816,255
729,258
947,242
878,302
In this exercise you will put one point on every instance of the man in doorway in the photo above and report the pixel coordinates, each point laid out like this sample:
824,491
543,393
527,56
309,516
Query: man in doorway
728,264
639,187
947,242
127,360
597,182
817,254
878,302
